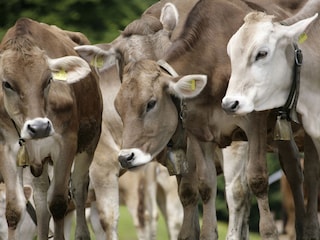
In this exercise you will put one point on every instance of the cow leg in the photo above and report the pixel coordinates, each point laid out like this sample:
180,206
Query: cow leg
41,186
151,214
290,161
139,195
257,172
207,186
311,170
15,200
80,184
238,195
95,222
288,209
188,193
104,177
57,196
169,202
132,187
3,220
206,183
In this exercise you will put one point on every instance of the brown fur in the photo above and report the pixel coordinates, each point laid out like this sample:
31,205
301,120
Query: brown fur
146,25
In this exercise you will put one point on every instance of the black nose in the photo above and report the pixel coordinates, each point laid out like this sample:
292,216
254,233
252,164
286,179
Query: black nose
230,106
39,129
126,160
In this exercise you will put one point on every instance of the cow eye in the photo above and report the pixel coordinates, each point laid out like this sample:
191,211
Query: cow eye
7,85
261,54
151,105
49,80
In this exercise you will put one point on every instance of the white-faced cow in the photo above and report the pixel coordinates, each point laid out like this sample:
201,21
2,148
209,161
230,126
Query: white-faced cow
56,119
264,70
150,116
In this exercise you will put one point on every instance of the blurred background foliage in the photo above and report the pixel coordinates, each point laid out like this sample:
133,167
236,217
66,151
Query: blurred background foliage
99,20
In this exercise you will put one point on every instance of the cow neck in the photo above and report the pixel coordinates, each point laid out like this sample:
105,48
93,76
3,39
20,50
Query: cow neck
288,111
183,106
179,103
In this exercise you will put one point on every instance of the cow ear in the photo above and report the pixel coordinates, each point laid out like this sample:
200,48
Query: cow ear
97,57
188,86
169,16
296,30
70,68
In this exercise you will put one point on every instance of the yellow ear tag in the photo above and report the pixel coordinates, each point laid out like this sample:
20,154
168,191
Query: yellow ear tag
193,84
302,37
61,75
97,62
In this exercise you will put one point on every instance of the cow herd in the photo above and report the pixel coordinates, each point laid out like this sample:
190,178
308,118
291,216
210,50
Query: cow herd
197,86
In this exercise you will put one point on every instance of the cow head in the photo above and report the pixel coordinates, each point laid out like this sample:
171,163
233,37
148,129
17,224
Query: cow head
149,115
26,76
262,59
145,38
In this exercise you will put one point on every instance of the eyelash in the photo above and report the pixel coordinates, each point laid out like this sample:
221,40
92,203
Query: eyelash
151,104
261,55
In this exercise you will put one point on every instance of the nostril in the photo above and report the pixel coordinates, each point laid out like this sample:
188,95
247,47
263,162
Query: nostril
230,105
126,159
48,126
130,157
31,129
234,105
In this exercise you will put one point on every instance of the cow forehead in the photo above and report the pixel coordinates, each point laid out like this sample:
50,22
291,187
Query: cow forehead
141,81
255,20
144,73
21,63
255,31
21,49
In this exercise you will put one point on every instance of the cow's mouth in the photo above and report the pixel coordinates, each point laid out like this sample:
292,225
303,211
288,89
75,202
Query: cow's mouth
133,157
126,160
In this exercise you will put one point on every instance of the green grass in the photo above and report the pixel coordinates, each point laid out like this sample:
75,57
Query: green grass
127,230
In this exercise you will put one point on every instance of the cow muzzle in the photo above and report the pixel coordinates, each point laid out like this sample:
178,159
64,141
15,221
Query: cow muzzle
133,157
37,128
237,105
230,106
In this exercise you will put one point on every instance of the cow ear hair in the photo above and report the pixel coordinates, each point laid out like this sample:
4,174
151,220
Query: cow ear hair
70,68
297,29
188,86
169,16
